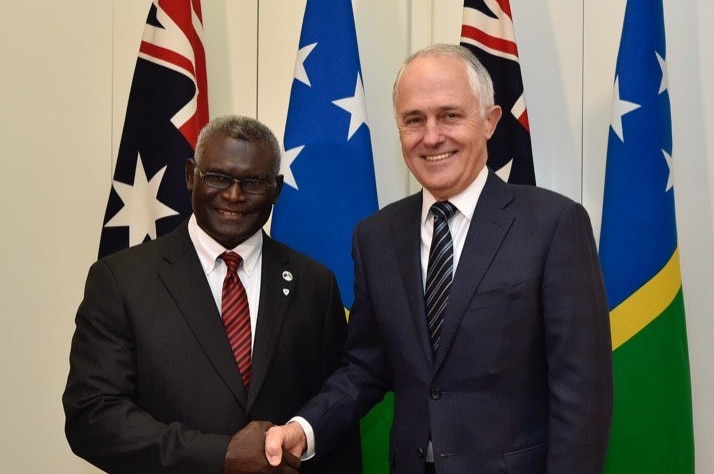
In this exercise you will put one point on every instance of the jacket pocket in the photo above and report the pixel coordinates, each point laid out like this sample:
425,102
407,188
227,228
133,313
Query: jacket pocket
531,460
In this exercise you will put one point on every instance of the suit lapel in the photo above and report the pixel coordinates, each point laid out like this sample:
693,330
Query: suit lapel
488,228
181,272
406,231
277,287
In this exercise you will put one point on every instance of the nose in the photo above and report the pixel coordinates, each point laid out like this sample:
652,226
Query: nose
432,132
234,192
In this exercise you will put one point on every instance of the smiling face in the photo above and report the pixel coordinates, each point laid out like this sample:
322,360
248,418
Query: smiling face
229,215
441,129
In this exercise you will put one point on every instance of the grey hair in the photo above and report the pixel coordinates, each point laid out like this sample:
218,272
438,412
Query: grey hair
240,128
479,78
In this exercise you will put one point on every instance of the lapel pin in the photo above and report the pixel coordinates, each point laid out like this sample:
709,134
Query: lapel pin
287,276
286,291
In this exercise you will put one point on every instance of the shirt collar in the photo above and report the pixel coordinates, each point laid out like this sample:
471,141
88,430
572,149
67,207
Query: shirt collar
209,250
465,201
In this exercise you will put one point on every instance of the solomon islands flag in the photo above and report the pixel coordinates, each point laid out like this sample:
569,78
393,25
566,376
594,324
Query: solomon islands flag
652,425
328,169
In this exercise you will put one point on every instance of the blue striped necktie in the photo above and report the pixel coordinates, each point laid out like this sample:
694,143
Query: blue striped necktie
440,269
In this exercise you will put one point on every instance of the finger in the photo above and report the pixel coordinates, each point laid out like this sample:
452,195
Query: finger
291,460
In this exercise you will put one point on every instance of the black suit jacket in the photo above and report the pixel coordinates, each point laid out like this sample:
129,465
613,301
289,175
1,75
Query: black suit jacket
522,380
153,385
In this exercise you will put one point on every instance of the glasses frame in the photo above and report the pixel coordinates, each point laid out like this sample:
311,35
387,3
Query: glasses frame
270,184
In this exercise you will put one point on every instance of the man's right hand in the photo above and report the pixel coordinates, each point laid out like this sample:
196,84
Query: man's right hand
288,437
246,453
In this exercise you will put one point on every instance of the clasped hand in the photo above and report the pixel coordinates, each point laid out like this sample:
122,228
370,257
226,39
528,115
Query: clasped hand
286,440
247,453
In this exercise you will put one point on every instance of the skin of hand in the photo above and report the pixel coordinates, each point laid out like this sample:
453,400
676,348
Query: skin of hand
284,440
246,453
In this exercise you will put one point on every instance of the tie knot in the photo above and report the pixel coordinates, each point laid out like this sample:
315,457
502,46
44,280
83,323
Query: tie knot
443,209
232,260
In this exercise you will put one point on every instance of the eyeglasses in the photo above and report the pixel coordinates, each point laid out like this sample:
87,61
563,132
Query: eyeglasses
246,185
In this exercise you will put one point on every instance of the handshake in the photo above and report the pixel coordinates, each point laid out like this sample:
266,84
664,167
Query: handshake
264,448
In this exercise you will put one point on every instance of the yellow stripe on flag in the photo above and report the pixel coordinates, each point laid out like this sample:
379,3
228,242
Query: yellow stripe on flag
640,309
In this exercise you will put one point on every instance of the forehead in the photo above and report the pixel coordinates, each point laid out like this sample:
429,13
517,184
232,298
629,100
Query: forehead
434,82
226,153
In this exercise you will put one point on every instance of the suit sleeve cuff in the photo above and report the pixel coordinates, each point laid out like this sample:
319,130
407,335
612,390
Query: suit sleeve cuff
309,436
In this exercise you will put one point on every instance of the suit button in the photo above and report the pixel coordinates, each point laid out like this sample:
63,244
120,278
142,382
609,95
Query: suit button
435,394
420,453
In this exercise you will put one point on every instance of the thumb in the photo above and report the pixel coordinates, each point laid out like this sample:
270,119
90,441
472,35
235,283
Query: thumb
274,445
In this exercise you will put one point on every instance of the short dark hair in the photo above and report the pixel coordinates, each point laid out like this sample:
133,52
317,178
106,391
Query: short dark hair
241,128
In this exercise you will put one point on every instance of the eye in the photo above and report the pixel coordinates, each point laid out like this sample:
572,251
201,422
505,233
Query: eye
256,185
217,180
250,184
450,117
413,122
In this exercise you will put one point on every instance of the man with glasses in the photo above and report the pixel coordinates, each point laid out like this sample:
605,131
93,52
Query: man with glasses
157,383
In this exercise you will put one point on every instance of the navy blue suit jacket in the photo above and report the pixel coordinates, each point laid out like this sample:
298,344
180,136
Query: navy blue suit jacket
522,380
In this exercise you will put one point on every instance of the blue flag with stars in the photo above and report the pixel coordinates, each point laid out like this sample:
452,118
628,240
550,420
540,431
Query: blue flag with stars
327,164
652,422
328,169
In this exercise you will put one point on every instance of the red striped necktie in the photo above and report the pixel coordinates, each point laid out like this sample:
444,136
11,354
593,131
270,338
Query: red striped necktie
236,316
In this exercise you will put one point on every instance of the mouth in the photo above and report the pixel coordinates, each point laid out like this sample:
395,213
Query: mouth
439,157
227,213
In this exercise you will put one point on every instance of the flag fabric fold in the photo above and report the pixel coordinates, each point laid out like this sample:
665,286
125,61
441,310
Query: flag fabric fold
328,167
487,30
652,425
167,107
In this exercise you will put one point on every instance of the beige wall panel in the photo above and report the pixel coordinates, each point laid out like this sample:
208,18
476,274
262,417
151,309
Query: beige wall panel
64,83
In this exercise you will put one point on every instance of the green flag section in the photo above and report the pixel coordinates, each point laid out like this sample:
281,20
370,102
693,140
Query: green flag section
328,169
374,428
652,426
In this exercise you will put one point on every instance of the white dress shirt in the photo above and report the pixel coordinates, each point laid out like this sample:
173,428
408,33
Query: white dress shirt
465,203
251,251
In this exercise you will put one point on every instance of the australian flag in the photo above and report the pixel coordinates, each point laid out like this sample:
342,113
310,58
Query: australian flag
488,32
168,106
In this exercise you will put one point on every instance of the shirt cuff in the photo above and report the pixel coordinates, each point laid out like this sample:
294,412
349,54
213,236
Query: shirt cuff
309,436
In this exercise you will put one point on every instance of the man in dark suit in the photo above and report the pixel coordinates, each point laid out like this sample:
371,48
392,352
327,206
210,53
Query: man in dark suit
154,385
515,375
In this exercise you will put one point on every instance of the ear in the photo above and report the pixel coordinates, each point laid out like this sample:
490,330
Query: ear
491,120
190,173
278,187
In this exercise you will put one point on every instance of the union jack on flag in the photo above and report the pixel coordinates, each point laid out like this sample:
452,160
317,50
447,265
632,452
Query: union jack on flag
487,30
168,106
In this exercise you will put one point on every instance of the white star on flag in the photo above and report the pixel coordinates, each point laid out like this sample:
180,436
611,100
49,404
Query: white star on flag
355,106
300,72
505,171
670,180
286,162
619,108
664,85
141,207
